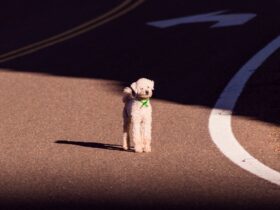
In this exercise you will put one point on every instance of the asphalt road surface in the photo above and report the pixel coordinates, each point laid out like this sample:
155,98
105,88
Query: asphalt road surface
62,69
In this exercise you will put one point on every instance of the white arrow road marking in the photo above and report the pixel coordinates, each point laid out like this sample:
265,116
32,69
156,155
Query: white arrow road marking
223,20
220,118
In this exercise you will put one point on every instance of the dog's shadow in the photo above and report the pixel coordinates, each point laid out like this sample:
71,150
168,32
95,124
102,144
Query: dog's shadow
94,145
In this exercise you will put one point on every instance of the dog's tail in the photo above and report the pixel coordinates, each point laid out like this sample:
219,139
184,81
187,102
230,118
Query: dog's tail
127,94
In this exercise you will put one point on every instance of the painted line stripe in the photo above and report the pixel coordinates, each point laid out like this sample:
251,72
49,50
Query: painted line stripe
118,11
68,32
220,118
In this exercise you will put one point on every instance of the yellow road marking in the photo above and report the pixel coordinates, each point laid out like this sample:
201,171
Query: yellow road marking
74,32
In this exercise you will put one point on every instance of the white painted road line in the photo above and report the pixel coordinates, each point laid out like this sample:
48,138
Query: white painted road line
223,20
220,118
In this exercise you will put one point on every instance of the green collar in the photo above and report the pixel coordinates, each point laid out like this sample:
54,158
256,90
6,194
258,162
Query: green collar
144,102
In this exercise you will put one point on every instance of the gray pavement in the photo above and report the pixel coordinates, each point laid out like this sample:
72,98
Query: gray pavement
60,148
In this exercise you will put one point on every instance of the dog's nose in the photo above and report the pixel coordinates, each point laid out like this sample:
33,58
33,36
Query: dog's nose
147,92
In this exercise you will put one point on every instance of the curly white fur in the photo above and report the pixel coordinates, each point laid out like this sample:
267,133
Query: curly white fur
137,115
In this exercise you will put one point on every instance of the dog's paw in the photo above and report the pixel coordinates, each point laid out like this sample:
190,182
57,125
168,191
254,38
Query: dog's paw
126,146
138,149
147,149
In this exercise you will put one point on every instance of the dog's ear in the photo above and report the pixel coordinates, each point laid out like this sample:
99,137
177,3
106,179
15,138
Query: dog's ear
134,87
153,84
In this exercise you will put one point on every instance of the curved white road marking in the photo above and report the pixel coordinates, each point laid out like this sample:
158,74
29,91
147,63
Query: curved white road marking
220,118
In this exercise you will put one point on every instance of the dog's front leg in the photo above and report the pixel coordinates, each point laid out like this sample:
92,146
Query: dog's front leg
147,134
136,133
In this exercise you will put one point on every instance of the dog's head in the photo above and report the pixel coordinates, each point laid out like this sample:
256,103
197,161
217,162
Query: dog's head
143,88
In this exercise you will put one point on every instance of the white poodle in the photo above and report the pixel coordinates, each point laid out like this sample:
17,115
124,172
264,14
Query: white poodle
137,115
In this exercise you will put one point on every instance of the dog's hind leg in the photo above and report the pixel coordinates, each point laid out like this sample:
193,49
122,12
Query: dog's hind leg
126,138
